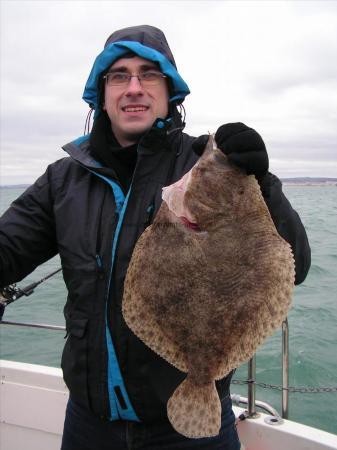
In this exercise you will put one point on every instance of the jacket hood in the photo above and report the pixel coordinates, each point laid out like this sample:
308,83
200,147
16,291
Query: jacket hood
145,41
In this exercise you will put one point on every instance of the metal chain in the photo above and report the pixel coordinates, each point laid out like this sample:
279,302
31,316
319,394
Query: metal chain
303,390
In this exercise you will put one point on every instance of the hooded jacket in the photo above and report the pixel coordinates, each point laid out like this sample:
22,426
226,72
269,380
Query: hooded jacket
79,210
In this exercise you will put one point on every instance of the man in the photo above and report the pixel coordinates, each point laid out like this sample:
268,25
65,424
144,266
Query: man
91,208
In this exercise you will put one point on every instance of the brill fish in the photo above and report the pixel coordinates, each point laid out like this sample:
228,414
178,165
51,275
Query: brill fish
208,282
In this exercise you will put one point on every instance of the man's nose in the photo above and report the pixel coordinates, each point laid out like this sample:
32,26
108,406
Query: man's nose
134,87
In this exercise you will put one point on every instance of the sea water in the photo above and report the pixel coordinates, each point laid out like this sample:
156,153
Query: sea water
312,319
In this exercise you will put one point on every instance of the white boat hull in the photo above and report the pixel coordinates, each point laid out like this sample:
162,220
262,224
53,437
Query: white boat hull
33,400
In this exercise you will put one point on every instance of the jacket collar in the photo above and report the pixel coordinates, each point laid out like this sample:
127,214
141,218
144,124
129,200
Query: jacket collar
163,136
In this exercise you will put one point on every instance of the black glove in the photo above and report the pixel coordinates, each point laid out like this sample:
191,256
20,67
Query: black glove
243,146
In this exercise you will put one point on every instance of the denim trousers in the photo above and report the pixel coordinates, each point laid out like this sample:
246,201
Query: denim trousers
84,431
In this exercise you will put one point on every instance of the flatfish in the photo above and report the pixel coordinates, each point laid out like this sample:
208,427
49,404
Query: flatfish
208,282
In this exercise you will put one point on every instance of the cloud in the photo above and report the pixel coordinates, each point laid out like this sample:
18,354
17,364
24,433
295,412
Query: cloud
271,65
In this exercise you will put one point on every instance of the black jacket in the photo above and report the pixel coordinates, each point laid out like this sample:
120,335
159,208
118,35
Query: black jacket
71,210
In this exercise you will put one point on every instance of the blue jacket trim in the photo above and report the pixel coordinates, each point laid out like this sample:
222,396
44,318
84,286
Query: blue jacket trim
116,50
119,200
81,139
115,379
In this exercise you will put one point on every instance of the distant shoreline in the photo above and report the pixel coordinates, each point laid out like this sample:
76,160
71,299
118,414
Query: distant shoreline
14,186
308,181
285,183
295,181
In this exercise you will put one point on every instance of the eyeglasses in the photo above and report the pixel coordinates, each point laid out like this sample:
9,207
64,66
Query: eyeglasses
149,78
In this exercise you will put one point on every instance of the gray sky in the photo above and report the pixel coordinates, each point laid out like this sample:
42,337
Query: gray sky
269,64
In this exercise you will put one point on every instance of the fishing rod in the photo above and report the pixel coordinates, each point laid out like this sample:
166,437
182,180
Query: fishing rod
11,293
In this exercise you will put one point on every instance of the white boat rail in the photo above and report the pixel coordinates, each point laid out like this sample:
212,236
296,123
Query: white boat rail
44,385
250,401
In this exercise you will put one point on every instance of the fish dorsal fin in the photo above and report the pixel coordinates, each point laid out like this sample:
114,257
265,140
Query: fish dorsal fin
212,150
210,146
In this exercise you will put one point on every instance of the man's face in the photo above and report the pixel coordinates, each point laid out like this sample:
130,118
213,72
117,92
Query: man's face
132,109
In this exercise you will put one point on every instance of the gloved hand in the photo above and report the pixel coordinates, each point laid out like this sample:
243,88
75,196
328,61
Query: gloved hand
243,146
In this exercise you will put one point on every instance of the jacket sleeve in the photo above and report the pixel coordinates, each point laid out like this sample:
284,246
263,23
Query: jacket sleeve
288,224
27,232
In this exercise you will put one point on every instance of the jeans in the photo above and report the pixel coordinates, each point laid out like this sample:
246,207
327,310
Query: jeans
84,431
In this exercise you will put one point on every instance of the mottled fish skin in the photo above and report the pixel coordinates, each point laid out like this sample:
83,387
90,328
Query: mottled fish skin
205,300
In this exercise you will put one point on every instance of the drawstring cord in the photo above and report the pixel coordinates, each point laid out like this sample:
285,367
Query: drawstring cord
87,121
182,113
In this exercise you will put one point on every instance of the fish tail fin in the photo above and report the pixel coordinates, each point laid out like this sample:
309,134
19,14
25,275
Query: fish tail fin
195,411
